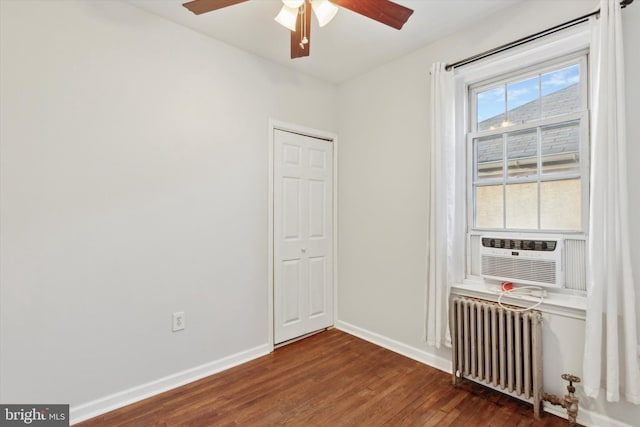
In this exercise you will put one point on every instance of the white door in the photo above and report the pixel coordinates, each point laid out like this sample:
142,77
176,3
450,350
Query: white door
303,235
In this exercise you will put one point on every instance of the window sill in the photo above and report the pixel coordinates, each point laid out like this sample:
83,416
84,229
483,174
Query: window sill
560,302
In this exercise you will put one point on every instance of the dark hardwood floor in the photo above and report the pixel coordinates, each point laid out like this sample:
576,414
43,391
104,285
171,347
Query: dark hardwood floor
329,379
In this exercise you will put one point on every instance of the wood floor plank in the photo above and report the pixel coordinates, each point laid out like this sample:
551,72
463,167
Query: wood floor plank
331,378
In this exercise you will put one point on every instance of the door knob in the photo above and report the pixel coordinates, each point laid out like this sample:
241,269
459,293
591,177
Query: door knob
303,250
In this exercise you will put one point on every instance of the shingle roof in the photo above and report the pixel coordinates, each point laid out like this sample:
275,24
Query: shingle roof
563,139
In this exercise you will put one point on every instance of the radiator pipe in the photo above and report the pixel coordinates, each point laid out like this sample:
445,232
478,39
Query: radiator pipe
569,401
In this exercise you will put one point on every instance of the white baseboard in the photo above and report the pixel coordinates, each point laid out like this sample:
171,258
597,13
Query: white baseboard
135,394
396,346
585,417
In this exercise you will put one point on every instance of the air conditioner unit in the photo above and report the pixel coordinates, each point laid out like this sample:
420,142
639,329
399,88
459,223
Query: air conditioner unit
523,260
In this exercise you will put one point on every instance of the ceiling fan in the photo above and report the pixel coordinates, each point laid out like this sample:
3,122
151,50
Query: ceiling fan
296,15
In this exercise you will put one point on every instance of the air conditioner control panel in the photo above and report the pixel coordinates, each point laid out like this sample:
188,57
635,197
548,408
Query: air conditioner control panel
520,244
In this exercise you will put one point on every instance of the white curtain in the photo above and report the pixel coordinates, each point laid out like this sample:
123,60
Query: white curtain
445,247
611,338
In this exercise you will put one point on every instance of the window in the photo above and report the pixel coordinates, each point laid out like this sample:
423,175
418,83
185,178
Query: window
527,149
522,126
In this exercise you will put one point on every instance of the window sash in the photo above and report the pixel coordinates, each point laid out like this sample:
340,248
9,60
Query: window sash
579,58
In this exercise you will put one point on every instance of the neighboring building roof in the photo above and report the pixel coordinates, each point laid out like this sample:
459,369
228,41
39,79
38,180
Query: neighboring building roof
559,140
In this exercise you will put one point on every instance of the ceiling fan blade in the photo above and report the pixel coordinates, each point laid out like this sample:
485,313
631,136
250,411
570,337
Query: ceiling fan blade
385,11
298,48
204,6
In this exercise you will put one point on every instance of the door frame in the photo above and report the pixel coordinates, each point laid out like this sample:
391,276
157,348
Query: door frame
314,133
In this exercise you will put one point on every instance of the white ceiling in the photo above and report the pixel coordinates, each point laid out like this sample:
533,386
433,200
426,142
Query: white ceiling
348,46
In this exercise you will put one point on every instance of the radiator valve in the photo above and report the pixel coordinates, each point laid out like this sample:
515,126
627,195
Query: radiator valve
570,401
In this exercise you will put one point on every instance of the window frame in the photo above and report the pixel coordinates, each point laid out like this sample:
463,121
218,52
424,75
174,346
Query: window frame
518,74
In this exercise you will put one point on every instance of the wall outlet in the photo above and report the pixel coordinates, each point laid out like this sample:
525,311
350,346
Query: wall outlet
178,321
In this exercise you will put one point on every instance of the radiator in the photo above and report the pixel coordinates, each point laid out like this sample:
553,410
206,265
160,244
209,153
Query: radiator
497,347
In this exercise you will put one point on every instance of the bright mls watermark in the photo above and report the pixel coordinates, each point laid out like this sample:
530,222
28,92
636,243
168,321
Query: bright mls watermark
34,415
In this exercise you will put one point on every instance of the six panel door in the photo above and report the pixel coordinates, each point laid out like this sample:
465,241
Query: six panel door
303,235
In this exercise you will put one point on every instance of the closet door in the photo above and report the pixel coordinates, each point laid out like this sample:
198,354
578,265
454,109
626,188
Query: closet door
303,235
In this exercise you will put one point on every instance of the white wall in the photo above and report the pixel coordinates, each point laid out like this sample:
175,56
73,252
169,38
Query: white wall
134,184
384,136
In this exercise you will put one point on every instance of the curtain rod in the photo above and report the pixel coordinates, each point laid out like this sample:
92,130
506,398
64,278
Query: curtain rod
528,39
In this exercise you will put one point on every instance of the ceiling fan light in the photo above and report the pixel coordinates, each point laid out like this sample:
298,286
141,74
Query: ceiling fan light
324,11
287,17
294,4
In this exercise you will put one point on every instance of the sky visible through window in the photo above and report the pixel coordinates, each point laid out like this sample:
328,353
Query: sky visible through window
495,102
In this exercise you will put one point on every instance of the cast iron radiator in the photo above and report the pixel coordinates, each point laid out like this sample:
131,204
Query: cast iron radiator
497,347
